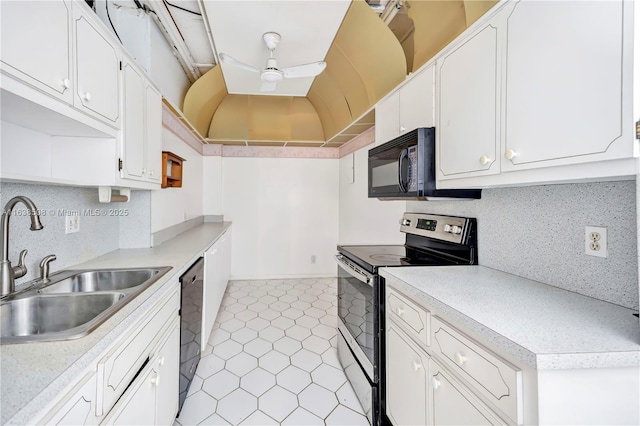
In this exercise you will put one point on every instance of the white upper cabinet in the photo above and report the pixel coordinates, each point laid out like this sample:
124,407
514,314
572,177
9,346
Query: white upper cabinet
388,118
153,133
565,89
98,70
417,101
468,110
539,92
36,46
409,107
133,128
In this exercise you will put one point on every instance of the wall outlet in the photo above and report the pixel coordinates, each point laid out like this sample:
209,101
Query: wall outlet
313,259
72,223
595,241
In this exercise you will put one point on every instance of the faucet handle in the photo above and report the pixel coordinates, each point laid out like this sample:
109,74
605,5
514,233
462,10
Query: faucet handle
20,270
44,267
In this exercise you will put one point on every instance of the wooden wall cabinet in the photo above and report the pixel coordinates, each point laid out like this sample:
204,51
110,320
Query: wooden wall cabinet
171,170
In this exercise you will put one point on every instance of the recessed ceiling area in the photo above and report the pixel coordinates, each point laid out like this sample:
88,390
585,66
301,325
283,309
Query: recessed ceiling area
306,28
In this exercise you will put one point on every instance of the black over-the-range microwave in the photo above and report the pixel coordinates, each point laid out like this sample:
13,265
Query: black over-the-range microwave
405,166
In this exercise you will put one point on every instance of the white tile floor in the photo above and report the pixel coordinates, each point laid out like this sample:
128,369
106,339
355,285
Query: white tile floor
271,359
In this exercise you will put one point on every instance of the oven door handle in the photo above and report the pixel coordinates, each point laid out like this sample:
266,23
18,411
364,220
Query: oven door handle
355,273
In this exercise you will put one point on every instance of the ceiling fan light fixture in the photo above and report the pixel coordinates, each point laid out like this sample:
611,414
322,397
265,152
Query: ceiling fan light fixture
271,75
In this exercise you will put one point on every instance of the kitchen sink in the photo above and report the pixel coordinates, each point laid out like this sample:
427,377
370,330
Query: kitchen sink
60,315
72,304
101,280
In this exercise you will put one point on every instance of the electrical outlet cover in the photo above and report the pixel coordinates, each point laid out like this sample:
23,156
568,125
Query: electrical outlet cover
71,223
595,241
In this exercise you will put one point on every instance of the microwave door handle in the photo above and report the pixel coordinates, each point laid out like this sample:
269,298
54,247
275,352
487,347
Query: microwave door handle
404,155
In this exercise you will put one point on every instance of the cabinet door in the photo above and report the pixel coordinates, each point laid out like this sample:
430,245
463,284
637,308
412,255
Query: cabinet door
407,379
565,89
36,43
211,293
78,407
387,118
168,385
134,119
454,404
97,71
137,406
153,134
417,101
468,111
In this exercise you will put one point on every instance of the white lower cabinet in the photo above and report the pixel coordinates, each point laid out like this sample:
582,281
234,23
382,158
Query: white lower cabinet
217,268
136,381
454,404
407,379
78,407
424,387
153,396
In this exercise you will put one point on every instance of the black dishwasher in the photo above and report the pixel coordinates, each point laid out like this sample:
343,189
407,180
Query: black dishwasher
191,283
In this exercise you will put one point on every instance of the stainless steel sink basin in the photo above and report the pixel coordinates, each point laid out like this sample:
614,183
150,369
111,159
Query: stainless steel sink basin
72,304
42,315
101,280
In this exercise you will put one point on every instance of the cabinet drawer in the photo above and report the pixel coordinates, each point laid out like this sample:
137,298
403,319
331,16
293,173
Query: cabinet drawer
413,318
492,377
116,370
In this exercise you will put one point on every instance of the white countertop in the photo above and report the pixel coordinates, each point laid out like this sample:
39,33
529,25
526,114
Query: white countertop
537,324
33,374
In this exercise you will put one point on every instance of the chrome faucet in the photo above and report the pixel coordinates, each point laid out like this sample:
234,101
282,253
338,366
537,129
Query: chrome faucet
9,273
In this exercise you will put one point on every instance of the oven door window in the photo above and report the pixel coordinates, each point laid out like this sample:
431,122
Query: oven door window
355,309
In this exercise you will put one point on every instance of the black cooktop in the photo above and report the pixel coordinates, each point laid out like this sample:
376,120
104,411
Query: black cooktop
391,255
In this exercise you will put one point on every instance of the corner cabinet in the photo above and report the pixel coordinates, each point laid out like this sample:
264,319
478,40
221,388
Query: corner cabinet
409,107
539,92
142,130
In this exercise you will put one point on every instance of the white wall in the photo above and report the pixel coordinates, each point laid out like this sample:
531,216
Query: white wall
170,206
365,220
284,211
212,186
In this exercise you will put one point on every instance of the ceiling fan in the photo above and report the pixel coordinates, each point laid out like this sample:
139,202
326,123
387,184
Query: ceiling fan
271,74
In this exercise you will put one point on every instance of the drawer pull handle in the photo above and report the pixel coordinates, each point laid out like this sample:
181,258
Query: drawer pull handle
156,380
459,358
416,366
399,311
435,383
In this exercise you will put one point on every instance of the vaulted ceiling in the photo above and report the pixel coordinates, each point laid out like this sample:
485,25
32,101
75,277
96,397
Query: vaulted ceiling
366,59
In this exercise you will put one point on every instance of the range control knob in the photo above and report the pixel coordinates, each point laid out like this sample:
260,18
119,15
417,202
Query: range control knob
452,229
405,222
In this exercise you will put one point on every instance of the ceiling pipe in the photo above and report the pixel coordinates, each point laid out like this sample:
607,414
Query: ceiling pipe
205,20
164,21
396,6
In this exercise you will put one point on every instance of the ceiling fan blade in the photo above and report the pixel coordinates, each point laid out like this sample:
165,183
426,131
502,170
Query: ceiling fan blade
231,61
268,86
307,70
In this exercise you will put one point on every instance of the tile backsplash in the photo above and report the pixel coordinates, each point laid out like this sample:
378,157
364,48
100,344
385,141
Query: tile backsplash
102,226
538,233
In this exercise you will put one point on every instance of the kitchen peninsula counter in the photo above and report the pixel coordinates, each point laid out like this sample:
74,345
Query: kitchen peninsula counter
34,374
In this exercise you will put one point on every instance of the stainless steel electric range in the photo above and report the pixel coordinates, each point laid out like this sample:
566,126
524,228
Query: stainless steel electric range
431,240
